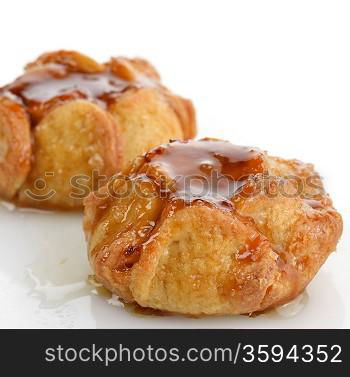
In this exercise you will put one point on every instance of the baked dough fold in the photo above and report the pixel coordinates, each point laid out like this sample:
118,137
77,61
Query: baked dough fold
209,228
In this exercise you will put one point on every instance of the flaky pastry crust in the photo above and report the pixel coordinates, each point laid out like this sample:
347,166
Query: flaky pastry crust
69,123
158,241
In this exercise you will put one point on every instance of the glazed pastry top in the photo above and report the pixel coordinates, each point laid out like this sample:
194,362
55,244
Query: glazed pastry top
71,115
209,170
59,77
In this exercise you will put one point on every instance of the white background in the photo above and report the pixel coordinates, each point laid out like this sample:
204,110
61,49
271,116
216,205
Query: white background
273,74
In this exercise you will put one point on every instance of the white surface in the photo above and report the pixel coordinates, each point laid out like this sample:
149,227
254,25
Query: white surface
273,74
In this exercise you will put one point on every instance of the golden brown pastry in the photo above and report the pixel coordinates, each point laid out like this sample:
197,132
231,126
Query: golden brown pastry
69,120
207,228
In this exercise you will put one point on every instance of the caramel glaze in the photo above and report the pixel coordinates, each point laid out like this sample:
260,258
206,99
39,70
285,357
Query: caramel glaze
42,90
206,172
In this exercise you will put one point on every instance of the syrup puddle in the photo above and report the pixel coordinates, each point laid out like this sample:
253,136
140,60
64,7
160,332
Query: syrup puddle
294,307
60,269
53,296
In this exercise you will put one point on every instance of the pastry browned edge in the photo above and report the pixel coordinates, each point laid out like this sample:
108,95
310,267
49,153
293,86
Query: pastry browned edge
69,123
246,244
